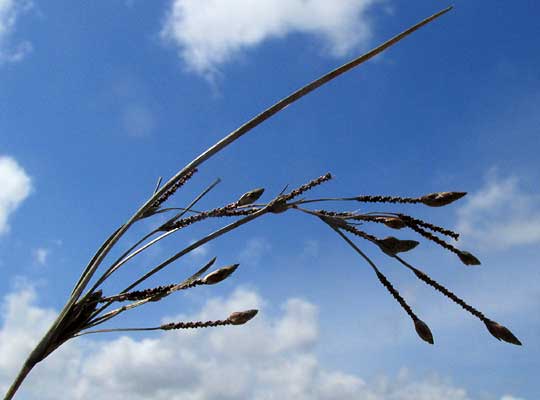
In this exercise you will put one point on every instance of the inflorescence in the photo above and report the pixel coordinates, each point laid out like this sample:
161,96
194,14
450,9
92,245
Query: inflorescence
344,223
87,307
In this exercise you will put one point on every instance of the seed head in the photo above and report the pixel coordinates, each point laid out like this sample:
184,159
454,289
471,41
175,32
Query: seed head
501,332
391,245
219,275
241,317
467,258
441,198
250,197
423,331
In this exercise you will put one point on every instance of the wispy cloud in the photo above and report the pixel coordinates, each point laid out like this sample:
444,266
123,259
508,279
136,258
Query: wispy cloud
501,214
15,186
10,11
211,33
271,357
41,254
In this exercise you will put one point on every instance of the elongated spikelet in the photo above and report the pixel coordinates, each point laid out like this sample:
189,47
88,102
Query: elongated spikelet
250,197
441,198
392,246
501,332
219,275
241,317
423,331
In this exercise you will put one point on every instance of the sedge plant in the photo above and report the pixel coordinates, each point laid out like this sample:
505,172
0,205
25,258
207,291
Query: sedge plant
87,307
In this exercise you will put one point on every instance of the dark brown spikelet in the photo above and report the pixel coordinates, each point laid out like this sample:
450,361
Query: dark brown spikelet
250,197
467,258
498,331
219,275
238,213
236,318
392,246
177,185
421,328
137,295
241,317
395,294
441,198
193,325
225,211
351,229
387,199
440,288
501,332
423,331
410,221
308,186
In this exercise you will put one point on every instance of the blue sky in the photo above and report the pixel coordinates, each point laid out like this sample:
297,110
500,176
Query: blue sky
99,99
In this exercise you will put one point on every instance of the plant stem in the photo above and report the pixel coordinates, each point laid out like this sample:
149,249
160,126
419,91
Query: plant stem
25,370
18,381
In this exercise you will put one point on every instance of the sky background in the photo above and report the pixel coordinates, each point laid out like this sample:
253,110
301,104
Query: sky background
98,99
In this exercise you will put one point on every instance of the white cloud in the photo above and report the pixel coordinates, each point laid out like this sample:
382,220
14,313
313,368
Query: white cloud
269,358
16,186
10,10
501,214
211,33
41,254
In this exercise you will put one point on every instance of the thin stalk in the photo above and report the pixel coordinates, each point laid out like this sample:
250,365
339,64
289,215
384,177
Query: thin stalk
115,312
325,199
355,247
156,328
164,210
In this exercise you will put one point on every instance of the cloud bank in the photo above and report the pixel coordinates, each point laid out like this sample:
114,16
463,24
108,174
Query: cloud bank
501,214
210,33
269,358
